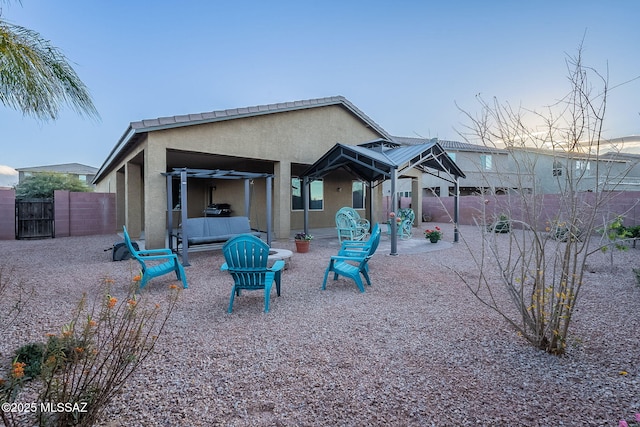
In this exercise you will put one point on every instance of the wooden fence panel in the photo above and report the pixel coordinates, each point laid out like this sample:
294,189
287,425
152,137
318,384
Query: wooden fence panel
35,219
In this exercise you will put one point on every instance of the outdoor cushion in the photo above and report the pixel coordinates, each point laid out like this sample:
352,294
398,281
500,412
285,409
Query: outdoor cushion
216,229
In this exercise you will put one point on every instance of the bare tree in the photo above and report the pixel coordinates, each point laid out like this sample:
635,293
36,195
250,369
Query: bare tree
541,261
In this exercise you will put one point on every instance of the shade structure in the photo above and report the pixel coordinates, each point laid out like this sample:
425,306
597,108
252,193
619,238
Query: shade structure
184,173
383,159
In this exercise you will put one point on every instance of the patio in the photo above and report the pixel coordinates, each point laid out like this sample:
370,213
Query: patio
415,349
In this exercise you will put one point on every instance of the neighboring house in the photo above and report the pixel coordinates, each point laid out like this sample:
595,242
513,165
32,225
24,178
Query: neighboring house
280,139
499,171
84,173
487,170
553,169
625,176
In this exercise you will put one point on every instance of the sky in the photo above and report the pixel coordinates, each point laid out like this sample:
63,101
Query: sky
414,67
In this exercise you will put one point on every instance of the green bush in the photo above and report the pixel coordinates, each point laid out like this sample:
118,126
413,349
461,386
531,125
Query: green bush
42,185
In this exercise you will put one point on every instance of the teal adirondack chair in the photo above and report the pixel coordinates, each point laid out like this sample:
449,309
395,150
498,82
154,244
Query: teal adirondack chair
359,247
150,269
246,259
352,260
350,225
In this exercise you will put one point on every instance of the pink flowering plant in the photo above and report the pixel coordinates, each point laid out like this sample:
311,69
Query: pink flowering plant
634,423
433,234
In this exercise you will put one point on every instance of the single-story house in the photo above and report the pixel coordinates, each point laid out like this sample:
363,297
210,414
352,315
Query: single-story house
283,140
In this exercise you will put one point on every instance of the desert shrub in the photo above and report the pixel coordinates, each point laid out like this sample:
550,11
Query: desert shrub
88,362
542,276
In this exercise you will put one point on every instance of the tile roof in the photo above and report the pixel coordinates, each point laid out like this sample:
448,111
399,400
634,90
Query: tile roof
446,144
235,113
138,128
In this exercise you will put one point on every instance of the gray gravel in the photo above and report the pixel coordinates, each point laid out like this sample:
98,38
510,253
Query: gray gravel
417,349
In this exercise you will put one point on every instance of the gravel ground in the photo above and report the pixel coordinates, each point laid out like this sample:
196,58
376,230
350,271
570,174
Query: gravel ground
416,349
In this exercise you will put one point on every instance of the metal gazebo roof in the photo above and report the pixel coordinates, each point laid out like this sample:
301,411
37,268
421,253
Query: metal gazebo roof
216,174
382,159
374,160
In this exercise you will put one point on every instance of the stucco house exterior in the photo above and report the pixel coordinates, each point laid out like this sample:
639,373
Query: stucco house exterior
279,139
553,168
487,170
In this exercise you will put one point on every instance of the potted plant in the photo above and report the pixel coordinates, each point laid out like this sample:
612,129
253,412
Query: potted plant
302,242
501,225
434,235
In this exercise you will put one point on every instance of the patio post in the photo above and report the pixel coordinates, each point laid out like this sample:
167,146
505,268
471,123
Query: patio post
170,209
183,217
247,200
269,208
393,226
305,202
456,211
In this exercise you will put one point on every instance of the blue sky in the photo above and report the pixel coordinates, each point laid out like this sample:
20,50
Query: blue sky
406,64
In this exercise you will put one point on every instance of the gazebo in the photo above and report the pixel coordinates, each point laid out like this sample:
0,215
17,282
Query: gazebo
379,160
184,173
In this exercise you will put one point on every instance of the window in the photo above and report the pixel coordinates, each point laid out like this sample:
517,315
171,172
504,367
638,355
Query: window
583,165
357,194
83,178
486,162
316,189
453,156
557,168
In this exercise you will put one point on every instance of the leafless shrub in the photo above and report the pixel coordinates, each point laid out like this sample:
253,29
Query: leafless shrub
541,260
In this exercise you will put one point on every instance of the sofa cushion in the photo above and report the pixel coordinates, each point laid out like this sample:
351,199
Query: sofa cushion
216,229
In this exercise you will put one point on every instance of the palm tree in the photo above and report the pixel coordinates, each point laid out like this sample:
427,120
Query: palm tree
36,78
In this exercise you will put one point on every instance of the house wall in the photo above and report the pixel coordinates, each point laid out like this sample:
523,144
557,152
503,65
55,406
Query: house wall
289,141
552,171
499,177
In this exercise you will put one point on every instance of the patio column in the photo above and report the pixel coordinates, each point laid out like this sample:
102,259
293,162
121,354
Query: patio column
282,208
416,200
133,199
247,197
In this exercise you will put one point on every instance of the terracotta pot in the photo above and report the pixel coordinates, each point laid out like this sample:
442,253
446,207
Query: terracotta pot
302,246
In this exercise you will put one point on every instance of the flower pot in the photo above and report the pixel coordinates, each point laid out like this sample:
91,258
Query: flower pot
433,239
302,246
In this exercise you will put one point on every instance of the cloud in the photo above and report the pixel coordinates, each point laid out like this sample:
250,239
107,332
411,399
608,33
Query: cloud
8,176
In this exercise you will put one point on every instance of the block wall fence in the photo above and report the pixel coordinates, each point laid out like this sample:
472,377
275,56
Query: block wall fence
625,203
76,214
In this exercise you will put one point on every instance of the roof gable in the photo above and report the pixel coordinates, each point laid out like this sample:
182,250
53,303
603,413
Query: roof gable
375,164
138,129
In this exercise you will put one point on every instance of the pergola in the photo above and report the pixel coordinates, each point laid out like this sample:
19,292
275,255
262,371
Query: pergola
379,160
184,173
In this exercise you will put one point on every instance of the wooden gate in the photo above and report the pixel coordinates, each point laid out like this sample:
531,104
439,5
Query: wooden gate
35,219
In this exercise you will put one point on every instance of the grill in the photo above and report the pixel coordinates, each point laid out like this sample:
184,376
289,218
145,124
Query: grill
218,209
